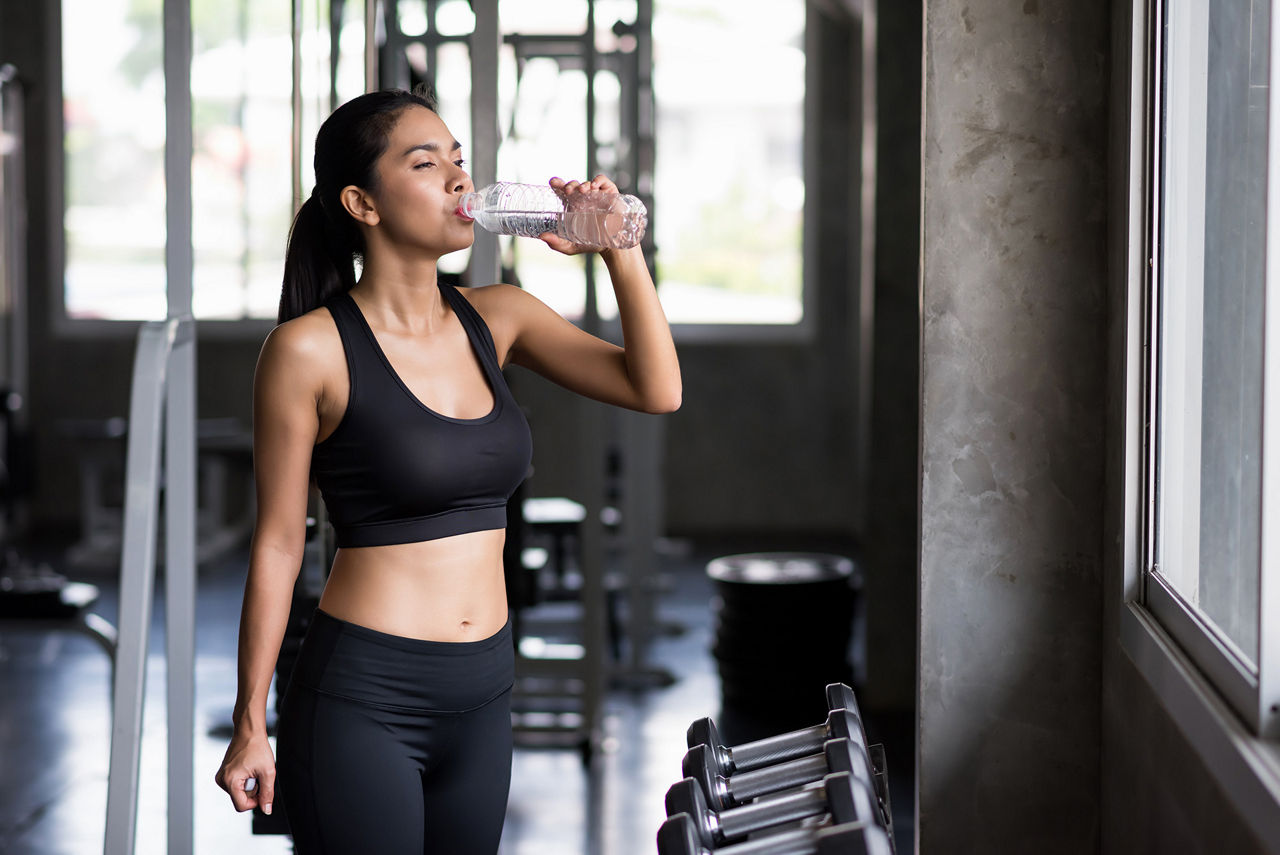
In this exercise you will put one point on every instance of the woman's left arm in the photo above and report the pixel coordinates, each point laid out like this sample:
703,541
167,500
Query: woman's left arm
643,374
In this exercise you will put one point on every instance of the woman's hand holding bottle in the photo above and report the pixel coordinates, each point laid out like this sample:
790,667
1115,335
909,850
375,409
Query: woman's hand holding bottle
599,196
570,216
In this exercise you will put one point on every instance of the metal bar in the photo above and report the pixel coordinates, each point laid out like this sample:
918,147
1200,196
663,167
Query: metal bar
590,311
180,584
336,8
486,44
642,439
180,574
1268,701
432,46
137,574
370,45
642,436
866,237
1153,305
295,104
13,241
644,142
177,155
393,70
593,424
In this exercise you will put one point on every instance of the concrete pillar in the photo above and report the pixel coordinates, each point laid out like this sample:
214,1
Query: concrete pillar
1012,424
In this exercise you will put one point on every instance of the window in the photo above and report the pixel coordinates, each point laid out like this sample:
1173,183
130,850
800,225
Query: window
114,135
113,108
728,180
728,186
1213,525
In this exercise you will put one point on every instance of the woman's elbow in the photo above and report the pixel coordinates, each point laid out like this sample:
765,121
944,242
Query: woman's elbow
667,401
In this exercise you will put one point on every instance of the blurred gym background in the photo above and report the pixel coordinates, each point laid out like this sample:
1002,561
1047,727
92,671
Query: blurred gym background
891,239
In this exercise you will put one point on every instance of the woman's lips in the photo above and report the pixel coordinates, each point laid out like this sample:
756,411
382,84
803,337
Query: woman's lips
461,215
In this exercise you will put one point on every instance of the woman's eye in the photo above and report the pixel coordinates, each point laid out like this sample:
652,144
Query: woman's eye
459,163
424,165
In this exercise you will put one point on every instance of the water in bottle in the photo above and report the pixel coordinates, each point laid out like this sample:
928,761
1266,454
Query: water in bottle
602,220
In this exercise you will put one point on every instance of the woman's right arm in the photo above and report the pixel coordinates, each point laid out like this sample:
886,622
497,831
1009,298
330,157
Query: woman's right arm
286,394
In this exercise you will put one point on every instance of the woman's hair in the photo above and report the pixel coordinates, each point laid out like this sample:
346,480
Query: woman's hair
324,241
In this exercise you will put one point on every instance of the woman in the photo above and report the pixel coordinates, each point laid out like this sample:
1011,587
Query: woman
395,732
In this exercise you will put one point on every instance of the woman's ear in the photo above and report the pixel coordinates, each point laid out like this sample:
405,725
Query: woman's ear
359,204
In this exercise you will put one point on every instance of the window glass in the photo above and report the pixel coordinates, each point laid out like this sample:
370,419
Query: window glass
114,159
240,170
543,121
729,172
728,188
728,185
1210,304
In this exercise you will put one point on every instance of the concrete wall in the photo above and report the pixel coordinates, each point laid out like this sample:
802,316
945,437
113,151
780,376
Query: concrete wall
1012,408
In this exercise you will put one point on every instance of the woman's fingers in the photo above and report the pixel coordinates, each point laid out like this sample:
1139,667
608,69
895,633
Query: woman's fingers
249,787
559,244
267,794
249,791
237,785
601,183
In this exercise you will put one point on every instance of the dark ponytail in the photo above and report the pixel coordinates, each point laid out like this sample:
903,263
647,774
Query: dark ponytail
324,241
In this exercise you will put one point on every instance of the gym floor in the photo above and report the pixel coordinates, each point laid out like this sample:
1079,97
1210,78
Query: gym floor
55,727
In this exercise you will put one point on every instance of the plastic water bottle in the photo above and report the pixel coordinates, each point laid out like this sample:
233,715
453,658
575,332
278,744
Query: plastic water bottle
603,220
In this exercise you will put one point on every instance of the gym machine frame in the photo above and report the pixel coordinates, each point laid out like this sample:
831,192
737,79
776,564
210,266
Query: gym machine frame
162,394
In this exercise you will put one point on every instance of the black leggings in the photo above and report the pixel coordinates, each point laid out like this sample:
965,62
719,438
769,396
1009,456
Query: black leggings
395,745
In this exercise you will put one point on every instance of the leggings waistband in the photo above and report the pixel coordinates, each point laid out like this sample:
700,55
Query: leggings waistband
368,666
411,645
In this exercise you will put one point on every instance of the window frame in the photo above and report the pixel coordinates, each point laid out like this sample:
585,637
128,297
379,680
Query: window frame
1229,718
1252,696
804,331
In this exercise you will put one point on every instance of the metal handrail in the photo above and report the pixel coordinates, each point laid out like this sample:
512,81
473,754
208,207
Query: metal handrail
161,344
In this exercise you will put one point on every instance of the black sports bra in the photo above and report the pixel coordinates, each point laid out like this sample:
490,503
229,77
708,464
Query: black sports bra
395,471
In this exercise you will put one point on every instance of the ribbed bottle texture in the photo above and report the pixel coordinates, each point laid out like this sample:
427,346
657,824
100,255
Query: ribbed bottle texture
614,220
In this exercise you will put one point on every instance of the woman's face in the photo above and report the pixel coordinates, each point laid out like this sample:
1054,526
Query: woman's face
421,181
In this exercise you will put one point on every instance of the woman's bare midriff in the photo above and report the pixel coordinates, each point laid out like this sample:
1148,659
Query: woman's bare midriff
451,589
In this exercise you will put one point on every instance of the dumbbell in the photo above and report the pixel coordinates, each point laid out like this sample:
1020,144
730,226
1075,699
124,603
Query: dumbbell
838,755
839,697
841,723
679,836
838,794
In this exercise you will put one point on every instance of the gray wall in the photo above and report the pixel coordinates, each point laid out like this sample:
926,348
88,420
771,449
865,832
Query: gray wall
1012,409
1036,733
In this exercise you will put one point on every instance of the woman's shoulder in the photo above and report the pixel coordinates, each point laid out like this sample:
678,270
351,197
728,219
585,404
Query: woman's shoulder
500,301
304,343
504,309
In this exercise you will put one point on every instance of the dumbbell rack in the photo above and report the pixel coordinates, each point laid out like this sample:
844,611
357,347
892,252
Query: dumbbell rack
820,790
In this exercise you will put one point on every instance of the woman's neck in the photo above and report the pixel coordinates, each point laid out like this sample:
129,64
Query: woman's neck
401,294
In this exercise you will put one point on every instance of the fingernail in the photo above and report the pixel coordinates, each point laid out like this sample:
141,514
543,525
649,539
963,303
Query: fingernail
267,808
